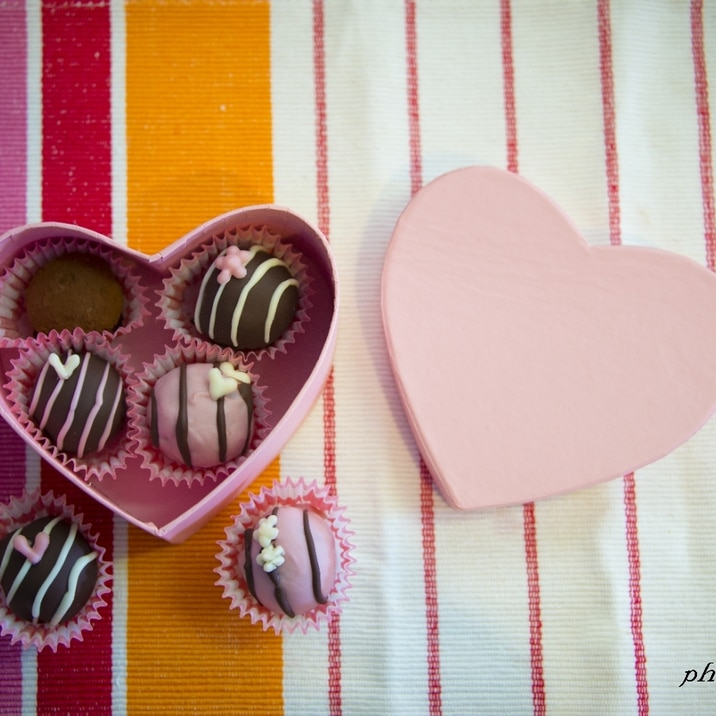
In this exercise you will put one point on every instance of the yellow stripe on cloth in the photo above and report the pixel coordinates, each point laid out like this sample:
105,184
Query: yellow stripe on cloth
198,144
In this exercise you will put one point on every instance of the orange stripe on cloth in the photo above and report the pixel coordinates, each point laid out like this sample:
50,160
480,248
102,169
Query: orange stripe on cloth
198,144
198,114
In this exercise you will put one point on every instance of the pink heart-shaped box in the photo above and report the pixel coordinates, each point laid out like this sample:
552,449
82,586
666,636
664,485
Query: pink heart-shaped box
529,362
291,379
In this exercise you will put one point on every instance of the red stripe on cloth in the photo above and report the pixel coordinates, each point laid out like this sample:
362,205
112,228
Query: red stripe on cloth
76,167
534,598
416,162
703,113
335,698
610,132
508,72
335,694
632,533
632,538
319,71
539,704
427,519
76,120
427,508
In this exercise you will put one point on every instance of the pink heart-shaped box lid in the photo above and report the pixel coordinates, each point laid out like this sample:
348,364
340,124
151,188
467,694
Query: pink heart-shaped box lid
529,362
291,379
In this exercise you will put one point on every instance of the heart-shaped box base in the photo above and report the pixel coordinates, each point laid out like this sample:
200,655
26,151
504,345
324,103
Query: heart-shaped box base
529,362
292,379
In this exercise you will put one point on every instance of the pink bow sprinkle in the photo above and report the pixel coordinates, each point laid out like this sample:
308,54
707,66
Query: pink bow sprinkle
232,263
33,553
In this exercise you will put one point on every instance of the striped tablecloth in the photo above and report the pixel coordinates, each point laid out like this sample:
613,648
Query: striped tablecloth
144,118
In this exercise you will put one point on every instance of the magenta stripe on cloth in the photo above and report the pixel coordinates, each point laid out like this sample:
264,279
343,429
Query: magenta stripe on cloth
427,508
534,598
704,119
77,180
630,507
335,693
13,211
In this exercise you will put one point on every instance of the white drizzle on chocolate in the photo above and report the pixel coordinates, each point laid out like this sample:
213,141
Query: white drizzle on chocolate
247,298
49,568
79,403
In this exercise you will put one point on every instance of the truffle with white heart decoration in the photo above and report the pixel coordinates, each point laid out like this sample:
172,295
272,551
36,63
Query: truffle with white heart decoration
78,402
47,570
200,414
529,362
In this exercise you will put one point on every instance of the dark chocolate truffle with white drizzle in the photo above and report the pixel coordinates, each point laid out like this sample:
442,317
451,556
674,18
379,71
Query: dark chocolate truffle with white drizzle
48,571
78,403
248,298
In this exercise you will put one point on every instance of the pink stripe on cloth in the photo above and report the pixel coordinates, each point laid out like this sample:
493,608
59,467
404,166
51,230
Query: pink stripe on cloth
335,695
534,598
630,508
427,509
704,119
13,212
13,112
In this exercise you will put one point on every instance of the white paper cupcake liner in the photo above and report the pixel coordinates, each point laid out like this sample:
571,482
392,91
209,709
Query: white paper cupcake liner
20,511
180,290
19,386
159,465
233,582
14,324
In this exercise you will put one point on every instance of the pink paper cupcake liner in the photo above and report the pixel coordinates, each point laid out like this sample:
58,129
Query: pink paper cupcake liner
159,465
231,577
18,512
20,382
180,291
14,324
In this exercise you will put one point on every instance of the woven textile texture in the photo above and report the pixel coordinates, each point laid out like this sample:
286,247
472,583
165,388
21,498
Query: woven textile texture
142,119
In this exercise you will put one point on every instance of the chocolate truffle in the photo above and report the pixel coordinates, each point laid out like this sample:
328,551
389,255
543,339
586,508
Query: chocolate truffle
48,571
247,299
78,403
200,414
289,560
75,290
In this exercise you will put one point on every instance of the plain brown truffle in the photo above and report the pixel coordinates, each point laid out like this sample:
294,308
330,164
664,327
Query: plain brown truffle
74,291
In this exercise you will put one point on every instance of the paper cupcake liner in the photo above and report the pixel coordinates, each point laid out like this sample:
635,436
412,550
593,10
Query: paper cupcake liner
181,288
18,512
14,324
232,580
19,386
159,465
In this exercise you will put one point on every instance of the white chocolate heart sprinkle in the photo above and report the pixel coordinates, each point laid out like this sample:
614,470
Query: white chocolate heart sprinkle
220,385
66,369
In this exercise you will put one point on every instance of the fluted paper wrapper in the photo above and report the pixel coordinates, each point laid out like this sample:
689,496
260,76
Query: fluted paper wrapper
14,280
20,511
233,582
159,465
181,289
21,381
